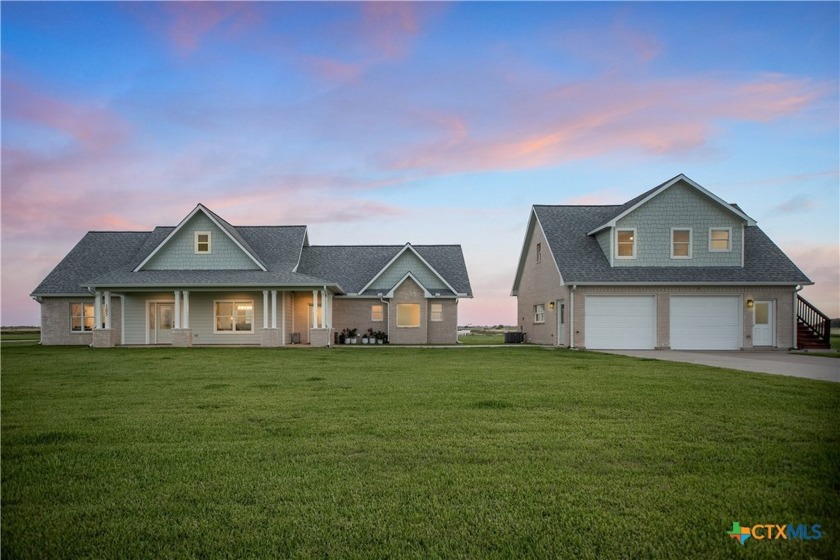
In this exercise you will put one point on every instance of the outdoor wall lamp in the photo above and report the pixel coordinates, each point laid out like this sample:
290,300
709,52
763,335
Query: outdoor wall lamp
551,305
749,304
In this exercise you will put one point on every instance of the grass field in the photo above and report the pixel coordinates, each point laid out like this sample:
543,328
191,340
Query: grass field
509,452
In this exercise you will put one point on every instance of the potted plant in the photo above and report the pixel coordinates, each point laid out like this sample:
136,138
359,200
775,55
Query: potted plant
381,337
347,335
352,335
369,337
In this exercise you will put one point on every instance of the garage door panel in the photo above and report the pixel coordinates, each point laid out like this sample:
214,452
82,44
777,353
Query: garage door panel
620,322
706,323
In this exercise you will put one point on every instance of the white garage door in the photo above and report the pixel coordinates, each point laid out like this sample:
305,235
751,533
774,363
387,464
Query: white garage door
705,323
620,323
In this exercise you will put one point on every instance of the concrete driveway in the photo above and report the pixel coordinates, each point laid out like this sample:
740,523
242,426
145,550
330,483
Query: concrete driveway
780,363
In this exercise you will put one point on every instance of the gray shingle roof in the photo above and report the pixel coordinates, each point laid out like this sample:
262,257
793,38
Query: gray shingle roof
354,266
108,259
581,260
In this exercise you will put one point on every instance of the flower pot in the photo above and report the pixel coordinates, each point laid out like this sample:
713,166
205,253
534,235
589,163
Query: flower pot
365,340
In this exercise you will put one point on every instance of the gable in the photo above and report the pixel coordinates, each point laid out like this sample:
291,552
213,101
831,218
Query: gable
408,262
178,252
681,206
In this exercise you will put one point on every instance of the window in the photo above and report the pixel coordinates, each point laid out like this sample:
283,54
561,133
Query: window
202,242
539,252
234,316
625,246
720,239
680,243
377,313
436,315
408,315
81,317
539,313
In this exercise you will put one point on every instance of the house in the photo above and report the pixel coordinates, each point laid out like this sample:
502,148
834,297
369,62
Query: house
676,267
207,282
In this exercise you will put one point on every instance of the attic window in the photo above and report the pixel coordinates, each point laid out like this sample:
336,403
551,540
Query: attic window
720,239
625,246
202,242
680,243
539,252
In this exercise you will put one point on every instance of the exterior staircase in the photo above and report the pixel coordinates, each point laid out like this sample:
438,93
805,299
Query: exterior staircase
813,327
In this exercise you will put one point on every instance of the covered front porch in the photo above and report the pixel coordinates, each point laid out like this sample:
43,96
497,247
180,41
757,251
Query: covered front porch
269,317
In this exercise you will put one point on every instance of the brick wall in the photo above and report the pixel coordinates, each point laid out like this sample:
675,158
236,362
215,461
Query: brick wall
408,292
355,313
446,330
55,322
539,284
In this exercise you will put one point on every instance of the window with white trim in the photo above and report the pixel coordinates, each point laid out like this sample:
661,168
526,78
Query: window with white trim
539,313
436,313
202,242
233,316
625,243
377,313
408,315
680,243
720,239
82,317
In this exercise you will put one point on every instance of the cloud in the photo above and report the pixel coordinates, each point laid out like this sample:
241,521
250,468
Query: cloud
88,124
653,117
796,204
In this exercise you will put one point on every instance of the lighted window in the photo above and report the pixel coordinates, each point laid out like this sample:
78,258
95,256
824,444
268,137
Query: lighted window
680,243
539,313
234,316
377,313
539,252
625,247
720,239
81,317
202,242
436,313
408,315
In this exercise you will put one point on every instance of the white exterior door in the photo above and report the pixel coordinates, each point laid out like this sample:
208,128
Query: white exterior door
763,322
620,322
706,323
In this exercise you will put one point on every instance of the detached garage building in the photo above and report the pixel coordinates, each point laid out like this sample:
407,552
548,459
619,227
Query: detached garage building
676,267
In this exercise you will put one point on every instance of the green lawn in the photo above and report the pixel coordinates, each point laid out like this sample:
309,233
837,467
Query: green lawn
475,339
509,452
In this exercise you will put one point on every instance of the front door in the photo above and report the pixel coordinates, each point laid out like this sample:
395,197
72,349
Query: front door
763,323
161,321
561,322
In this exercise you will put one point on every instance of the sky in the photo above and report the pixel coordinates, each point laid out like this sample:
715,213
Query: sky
387,123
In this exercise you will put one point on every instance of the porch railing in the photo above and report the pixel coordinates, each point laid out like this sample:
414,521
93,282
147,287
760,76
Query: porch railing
815,320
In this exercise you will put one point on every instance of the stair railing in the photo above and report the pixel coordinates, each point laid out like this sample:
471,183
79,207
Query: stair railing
815,320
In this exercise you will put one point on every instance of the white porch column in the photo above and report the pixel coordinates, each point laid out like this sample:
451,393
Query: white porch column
282,318
97,310
107,309
186,310
177,309
315,309
265,309
325,314
273,309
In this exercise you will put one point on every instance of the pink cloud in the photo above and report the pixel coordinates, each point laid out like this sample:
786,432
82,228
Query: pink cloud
91,125
821,263
191,22
673,116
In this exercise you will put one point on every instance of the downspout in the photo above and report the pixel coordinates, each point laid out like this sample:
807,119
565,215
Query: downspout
572,317
388,319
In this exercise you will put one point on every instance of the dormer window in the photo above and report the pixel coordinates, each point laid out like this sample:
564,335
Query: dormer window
202,242
720,240
625,243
